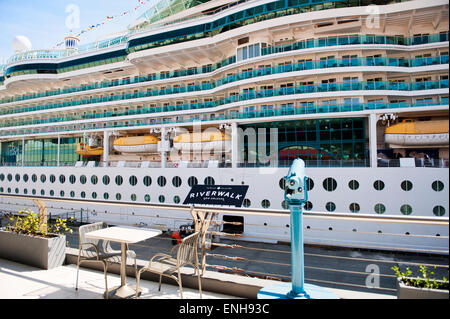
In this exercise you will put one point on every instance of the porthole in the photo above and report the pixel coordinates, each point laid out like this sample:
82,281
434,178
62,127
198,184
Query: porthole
17,177
118,196
330,206
52,192
176,199
43,178
16,190
133,180
246,203
52,178
309,183
378,185
147,198
282,183
9,189
72,179
209,181
25,177
437,186
133,197
438,210
2,177
353,184
83,179
105,196
33,191
162,181
406,185
62,179
94,195
147,180
94,179
192,181
308,205
161,198
119,180
105,180
379,208
42,192
176,181
329,184
406,209
9,177
285,205
1,190
265,203
34,178
72,194
61,193
25,191
83,194
354,207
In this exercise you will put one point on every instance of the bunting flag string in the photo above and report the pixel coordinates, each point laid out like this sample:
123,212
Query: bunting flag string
107,20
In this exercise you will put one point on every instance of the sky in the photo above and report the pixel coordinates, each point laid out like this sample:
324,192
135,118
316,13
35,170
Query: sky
45,22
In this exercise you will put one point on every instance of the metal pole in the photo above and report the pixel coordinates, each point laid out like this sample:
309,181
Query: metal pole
297,257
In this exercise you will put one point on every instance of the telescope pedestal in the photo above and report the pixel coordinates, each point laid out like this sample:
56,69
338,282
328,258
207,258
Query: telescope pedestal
284,291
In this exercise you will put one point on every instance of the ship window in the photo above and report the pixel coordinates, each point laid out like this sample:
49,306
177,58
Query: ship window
42,192
176,181
247,203
94,195
147,181
25,191
379,208
330,206
282,183
72,194
34,178
406,209
354,207
192,181
308,205
61,193
437,186
265,203
118,196
52,178
439,210
353,184
94,179
161,198
329,184
17,177
285,205
133,180
16,191
162,181
52,192
83,179
105,195
176,199
72,179
378,185
147,197
119,180
43,178
33,192
407,185
105,179
62,179
2,177
209,181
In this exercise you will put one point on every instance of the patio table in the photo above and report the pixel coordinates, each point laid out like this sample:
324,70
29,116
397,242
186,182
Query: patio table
124,235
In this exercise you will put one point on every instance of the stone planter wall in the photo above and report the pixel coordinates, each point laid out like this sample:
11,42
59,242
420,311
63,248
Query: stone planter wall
409,292
45,253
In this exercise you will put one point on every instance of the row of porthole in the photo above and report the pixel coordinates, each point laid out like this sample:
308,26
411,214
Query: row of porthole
133,180
330,206
330,184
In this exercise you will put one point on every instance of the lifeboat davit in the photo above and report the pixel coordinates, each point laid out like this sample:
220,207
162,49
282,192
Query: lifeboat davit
86,150
205,141
418,133
136,144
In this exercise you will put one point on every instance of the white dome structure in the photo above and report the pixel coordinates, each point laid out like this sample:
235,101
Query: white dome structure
21,44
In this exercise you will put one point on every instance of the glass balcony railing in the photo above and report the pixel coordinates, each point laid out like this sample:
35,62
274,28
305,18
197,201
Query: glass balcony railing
303,89
309,65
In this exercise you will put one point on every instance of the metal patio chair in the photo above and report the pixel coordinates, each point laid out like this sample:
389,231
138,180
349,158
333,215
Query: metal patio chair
167,265
98,251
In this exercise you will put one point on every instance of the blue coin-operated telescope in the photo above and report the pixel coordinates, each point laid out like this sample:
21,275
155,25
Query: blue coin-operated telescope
296,194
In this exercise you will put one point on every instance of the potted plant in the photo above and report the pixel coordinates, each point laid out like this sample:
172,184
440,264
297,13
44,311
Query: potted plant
30,240
424,287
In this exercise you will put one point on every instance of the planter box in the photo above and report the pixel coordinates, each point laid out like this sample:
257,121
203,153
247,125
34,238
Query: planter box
40,252
409,292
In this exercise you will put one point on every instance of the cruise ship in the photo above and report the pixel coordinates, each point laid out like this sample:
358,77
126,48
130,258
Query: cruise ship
228,92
